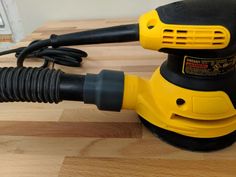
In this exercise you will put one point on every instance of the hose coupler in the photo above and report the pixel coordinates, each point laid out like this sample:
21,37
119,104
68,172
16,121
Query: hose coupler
105,90
53,86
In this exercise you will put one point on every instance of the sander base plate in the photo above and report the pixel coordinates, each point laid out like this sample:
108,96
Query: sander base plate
190,143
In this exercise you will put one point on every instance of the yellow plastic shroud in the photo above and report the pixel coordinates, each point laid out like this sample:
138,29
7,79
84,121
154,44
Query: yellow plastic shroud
204,114
155,35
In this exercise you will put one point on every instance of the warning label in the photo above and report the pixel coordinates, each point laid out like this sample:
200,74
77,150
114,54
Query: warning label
208,67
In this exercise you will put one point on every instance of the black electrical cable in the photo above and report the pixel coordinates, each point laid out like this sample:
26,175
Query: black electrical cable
62,56
51,51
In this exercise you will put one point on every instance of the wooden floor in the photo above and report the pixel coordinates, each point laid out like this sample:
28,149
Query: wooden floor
76,140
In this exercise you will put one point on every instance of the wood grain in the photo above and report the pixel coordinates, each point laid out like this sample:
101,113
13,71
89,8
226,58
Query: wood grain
130,148
107,167
30,165
66,129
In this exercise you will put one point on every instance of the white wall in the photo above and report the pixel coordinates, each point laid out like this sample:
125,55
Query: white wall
34,13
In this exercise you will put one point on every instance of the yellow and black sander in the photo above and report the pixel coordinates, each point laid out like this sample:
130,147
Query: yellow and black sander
189,102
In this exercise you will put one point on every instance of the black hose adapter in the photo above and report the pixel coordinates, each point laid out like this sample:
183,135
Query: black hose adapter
105,89
53,86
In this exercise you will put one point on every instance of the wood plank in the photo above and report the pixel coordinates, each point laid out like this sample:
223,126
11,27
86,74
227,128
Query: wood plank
84,24
87,115
107,167
30,165
65,112
67,129
105,147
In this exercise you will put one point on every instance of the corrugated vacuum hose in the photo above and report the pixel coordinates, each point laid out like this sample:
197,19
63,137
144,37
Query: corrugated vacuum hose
52,86
29,85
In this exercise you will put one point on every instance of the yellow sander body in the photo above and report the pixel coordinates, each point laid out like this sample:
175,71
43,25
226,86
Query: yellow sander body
192,113
191,95
200,114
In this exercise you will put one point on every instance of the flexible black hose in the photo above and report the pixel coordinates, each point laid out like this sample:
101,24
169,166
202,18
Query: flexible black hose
39,85
29,85
46,85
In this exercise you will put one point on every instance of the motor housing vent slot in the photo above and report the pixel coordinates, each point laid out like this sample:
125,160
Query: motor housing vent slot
194,38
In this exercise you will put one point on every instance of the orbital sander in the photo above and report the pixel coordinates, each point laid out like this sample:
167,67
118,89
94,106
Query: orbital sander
189,102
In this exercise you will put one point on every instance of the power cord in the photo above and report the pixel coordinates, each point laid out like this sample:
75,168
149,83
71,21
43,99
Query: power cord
51,50
61,55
